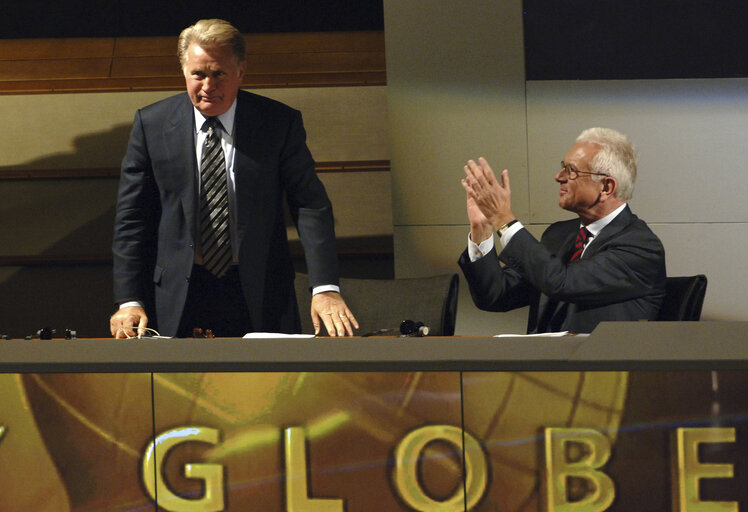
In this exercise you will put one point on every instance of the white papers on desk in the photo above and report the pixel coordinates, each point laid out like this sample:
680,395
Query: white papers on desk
265,335
541,335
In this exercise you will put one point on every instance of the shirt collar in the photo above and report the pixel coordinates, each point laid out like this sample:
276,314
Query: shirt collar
227,119
595,227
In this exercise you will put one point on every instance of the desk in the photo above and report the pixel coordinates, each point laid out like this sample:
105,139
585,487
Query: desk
613,346
371,423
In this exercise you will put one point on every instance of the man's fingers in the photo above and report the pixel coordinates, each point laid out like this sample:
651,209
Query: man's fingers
479,174
124,331
474,171
345,323
505,180
485,166
319,319
329,324
348,322
316,322
468,185
142,325
339,325
486,171
122,323
351,318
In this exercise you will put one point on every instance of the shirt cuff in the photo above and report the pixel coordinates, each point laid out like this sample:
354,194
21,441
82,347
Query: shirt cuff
509,233
325,288
477,251
130,304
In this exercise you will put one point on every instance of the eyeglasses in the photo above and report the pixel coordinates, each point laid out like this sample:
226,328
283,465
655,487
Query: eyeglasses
572,173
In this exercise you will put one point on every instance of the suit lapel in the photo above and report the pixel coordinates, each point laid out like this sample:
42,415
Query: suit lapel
179,134
621,222
246,124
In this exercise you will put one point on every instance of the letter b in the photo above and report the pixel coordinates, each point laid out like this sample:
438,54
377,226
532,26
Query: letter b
576,453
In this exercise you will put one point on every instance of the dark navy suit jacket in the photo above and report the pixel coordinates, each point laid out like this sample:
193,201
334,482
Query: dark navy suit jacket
155,223
620,277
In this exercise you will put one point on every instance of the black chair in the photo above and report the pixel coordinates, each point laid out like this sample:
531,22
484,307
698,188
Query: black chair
383,304
684,298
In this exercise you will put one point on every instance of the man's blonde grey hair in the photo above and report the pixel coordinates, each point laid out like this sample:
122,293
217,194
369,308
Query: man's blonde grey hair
213,32
616,158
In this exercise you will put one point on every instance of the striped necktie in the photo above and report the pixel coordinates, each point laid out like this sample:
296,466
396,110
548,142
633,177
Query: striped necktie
579,244
215,238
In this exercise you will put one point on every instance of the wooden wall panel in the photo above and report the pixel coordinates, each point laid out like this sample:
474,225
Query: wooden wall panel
43,49
54,69
113,172
150,63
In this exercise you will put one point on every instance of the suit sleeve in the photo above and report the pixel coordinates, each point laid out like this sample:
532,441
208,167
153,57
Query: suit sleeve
310,206
626,267
138,211
492,287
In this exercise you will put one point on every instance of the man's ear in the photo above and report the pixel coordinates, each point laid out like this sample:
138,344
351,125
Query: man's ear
610,186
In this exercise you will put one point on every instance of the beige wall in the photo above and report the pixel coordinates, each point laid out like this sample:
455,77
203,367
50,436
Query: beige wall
457,90
85,131
90,129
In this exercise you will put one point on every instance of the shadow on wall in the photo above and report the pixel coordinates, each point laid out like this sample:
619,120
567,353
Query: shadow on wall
66,284
75,295
90,151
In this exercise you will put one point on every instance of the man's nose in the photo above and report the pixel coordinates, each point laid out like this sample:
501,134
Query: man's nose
209,84
561,176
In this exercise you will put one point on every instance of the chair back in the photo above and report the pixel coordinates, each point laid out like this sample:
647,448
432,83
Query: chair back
384,303
684,298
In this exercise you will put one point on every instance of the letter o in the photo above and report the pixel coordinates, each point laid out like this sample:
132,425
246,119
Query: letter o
408,453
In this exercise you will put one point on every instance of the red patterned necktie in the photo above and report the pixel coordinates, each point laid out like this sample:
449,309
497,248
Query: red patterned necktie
579,244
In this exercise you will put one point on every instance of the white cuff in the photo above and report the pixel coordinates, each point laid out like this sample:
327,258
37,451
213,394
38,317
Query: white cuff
130,304
477,251
325,288
509,233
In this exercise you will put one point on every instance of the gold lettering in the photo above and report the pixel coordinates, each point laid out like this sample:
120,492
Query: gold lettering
687,470
572,457
297,493
405,476
212,474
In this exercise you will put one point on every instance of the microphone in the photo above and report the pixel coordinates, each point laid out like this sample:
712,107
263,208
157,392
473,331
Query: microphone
409,328
45,333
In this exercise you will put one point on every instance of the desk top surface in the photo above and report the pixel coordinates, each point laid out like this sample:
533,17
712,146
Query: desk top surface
612,346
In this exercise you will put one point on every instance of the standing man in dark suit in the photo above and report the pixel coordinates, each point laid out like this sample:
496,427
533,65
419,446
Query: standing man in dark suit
191,250
605,265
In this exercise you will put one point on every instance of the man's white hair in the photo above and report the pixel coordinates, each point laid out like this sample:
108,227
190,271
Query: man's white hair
616,158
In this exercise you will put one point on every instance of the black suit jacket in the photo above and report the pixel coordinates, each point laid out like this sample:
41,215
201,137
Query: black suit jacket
155,224
620,277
